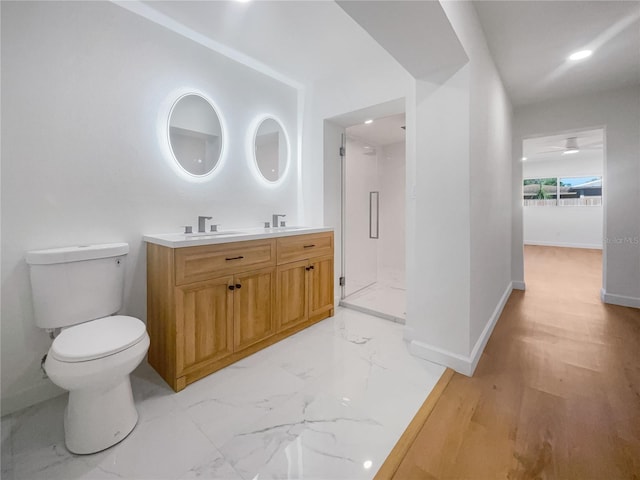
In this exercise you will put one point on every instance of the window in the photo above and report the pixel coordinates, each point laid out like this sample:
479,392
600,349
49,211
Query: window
540,192
562,191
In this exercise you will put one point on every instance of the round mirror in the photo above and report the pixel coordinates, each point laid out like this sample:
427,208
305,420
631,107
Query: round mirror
195,134
271,149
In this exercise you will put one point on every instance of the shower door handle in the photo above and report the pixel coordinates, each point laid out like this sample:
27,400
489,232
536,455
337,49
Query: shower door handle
374,215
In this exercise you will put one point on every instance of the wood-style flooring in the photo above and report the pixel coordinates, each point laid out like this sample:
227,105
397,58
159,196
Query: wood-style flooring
556,394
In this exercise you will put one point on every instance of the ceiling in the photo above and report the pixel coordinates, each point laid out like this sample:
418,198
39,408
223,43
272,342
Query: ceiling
531,40
417,34
382,131
553,146
308,41
305,41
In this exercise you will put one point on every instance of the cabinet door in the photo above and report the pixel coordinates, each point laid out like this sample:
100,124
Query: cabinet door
320,286
204,329
293,294
254,307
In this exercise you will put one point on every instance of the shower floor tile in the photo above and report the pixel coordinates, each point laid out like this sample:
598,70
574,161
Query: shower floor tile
385,300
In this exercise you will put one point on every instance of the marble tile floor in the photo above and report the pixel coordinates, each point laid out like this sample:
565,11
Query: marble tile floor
327,403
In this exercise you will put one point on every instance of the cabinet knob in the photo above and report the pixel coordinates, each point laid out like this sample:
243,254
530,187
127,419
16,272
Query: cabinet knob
238,285
232,287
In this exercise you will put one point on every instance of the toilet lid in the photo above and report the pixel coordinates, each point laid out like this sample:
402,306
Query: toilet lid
97,338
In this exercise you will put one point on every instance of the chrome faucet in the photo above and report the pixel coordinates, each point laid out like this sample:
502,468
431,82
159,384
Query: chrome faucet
274,222
201,223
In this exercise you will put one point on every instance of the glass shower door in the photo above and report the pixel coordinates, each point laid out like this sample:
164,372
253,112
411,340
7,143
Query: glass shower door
361,178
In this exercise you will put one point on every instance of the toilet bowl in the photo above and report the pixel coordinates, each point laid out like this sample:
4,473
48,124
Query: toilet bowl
93,361
76,292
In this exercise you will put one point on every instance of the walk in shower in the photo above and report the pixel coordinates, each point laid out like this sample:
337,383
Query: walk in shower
374,218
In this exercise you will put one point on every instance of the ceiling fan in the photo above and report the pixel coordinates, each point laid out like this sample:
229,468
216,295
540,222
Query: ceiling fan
571,146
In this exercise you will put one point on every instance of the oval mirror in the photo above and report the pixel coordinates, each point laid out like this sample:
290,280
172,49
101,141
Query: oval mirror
195,134
271,149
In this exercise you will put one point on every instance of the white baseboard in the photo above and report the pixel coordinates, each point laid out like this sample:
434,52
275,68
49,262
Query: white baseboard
30,396
518,285
461,363
595,246
621,300
478,348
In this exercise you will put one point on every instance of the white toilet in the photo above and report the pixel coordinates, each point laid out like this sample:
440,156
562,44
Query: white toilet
76,289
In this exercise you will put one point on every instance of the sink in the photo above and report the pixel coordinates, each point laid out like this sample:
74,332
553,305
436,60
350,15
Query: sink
178,240
287,229
212,234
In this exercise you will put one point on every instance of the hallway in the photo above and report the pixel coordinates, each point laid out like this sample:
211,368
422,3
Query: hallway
556,393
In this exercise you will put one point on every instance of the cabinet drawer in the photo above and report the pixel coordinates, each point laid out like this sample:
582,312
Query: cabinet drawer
299,247
195,264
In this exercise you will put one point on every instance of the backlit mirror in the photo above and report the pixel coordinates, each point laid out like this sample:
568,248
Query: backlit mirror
271,150
195,134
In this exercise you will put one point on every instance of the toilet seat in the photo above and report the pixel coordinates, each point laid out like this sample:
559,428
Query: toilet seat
97,338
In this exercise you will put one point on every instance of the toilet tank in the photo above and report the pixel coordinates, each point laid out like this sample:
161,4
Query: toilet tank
76,284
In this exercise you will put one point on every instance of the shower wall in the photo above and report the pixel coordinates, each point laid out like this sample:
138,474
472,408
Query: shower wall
391,245
374,168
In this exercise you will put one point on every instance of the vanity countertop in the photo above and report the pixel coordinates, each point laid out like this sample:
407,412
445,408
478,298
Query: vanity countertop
179,240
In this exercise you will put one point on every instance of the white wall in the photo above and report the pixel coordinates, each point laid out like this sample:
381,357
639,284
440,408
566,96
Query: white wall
490,173
580,227
86,88
576,227
578,165
393,203
618,111
460,243
438,223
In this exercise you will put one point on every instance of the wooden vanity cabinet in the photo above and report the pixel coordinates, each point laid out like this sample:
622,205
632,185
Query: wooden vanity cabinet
293,294
305,279
254,307
321,290
305,291
204,324
209,306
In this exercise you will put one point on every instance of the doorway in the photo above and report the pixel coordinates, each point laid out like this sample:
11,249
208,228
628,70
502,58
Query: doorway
562,192
373,210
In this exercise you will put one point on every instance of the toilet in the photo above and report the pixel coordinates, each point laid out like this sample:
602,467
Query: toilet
76,293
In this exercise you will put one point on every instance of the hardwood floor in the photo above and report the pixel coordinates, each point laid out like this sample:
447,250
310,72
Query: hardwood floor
556,393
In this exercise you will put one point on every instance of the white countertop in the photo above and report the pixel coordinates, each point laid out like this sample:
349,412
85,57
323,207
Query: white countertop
179,240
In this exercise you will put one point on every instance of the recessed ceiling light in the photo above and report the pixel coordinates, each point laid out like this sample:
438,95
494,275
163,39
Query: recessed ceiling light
367,122
580,55
524,159
570,151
